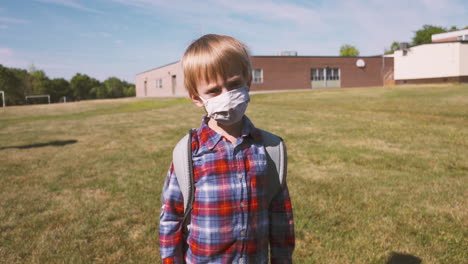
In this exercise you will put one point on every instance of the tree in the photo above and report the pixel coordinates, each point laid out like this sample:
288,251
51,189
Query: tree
394,47
39,82
82,85
26,83
99,92
129,90
17,83
60,88
114,87
349,51
424,35
11,84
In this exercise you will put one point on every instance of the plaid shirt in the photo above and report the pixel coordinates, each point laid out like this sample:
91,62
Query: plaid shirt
231,221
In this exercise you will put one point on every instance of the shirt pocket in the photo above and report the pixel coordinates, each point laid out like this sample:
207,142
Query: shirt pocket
257,165
257,176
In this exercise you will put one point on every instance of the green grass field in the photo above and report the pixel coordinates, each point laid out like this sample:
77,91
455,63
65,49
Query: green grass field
377,175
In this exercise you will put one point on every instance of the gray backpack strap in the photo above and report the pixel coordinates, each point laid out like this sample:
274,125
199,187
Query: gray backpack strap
277,163
182,160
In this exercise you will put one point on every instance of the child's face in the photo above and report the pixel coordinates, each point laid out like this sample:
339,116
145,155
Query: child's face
210,89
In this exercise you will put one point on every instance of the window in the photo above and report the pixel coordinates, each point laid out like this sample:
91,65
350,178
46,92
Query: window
329,74
158,83
317,74
333,74
257,76
325,77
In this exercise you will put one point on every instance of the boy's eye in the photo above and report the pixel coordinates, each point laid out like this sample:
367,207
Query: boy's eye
213,91
235,84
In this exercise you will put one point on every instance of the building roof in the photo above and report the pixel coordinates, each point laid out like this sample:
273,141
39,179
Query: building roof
441,43
451,34
158,67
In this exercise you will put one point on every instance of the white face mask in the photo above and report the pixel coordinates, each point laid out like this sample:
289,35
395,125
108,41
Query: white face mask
228,108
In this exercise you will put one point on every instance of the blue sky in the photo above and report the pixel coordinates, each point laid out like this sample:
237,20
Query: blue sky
121,38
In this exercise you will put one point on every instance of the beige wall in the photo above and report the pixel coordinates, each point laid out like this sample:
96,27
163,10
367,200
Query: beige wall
430,61
165,73
464,60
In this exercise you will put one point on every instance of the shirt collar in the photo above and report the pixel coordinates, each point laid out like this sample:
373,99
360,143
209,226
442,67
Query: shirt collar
250,130
209,138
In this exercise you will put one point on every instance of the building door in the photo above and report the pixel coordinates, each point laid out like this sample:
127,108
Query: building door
174,84
145,88
325,77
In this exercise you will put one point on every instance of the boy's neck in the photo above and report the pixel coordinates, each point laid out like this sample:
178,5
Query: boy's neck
231,133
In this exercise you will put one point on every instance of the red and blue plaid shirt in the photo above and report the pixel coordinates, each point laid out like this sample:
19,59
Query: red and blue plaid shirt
231,221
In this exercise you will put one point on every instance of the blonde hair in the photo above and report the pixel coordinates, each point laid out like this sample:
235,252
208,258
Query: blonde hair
214,55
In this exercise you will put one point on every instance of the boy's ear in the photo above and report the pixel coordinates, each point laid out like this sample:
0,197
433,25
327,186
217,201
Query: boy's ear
196,99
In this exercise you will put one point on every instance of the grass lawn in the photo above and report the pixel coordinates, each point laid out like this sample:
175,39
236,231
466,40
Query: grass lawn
376,175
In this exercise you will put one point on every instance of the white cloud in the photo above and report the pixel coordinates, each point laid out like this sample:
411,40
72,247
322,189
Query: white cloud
3,26
105,34
270,11
95,34
6,52
12,20
263,11
272,23
451,6
370,25
267,27
373,25
70,4
9,58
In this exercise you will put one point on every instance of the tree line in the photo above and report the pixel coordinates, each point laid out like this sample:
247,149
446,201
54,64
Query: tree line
19,83
421,36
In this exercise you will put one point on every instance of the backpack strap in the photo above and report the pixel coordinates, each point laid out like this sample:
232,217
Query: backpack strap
277,163
182,160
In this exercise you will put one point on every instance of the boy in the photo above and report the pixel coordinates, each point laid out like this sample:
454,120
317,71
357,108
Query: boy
230,221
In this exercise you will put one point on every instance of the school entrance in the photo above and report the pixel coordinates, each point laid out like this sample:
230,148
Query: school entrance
325,77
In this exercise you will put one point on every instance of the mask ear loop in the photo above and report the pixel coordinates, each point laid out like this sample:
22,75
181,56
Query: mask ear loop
204,104
203,100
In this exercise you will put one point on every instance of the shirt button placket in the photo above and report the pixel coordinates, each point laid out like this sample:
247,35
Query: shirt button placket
242,178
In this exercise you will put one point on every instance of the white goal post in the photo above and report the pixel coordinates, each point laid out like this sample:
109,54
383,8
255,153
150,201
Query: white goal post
38,96
3,97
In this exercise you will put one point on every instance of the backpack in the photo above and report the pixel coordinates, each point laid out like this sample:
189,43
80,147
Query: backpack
182,160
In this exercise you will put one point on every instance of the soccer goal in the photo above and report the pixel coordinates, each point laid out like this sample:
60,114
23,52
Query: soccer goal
38,96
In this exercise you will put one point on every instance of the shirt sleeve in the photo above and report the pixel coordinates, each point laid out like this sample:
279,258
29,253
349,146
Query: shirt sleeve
282,239
172,213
